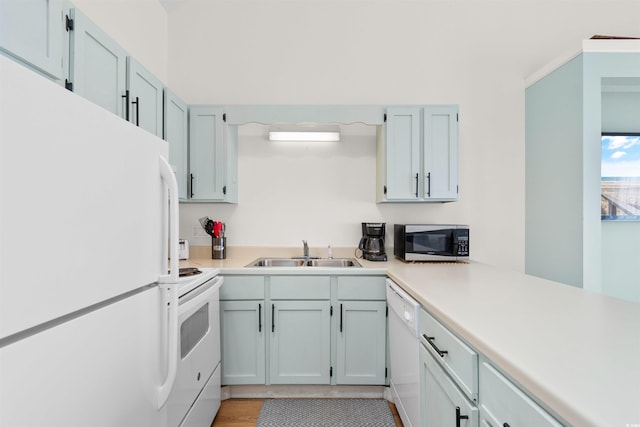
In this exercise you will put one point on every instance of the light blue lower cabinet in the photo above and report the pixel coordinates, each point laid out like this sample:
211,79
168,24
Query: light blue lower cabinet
504,404
442,402
361,342
300,342
242,330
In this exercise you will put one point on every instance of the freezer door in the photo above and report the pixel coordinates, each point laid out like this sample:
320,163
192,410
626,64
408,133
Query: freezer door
100,369
81,216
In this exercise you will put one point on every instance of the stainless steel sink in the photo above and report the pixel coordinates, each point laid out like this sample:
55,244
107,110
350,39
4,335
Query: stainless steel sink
334,262
277,262
293,262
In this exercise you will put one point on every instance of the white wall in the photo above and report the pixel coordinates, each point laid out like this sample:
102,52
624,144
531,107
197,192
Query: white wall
469,52
139,26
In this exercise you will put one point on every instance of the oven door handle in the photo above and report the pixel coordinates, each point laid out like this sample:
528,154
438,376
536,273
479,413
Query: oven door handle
170,298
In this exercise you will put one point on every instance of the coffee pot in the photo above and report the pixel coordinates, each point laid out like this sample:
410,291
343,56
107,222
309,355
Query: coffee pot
372,241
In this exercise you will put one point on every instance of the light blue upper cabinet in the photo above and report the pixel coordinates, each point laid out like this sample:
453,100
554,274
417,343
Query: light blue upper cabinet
402,153
440,153
212,156
417,154
97,65
176,132
145,98
32,31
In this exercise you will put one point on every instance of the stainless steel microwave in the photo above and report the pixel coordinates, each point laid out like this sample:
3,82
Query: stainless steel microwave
431,242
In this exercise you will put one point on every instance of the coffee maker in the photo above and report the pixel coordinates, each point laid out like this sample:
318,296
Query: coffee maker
372,242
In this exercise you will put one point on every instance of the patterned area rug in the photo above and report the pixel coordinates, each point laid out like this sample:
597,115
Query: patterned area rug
325,413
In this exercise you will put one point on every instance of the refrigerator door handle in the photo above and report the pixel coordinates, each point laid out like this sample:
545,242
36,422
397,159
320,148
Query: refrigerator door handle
167,175
169,281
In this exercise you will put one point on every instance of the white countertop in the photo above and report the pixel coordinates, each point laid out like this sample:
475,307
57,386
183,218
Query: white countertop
576,352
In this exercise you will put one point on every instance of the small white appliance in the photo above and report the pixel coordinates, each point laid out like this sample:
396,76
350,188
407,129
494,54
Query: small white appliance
404,345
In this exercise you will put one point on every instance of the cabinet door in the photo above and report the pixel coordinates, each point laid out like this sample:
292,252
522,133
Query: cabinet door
31,30
443,404
403,153
299,342
176,130
145,98
242,335
440,152
97,65
361,342
206,153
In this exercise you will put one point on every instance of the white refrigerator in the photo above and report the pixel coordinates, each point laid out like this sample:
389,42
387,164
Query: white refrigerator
86,220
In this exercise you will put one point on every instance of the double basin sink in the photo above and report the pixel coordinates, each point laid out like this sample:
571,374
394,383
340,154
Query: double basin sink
305,262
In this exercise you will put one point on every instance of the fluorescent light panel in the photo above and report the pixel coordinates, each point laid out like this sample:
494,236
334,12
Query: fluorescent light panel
304,133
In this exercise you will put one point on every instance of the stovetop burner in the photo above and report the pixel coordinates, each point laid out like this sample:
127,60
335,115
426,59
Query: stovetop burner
188,271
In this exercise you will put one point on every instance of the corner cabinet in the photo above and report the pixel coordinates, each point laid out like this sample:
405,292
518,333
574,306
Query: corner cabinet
31,31
213,156
417,154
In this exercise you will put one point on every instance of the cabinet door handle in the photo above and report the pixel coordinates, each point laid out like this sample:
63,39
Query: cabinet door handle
191,189
340,317
460,417
259,317
273,318
429,184
431,340
506,425
137,102
126,104
417,185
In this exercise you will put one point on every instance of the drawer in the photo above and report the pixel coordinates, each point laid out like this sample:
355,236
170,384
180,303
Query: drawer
361,288
457,358
502,403
300,287
242,287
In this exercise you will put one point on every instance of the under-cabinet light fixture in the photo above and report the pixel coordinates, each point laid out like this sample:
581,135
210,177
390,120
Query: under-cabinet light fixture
304,133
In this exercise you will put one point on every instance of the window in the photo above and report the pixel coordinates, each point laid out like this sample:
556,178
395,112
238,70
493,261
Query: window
620,176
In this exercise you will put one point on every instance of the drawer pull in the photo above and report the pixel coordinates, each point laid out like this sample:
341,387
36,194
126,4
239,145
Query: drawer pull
460,417
431,340
506,425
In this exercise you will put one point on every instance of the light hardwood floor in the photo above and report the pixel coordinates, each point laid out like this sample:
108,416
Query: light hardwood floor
245,412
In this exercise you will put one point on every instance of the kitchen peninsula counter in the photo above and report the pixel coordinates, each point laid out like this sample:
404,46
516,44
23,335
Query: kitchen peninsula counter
577,353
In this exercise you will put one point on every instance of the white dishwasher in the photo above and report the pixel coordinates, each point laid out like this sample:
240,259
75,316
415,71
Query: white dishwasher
404,346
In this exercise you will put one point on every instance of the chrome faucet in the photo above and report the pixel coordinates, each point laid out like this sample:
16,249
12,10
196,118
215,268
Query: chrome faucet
305,249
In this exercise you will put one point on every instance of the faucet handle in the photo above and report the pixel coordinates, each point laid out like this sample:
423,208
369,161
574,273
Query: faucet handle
330,253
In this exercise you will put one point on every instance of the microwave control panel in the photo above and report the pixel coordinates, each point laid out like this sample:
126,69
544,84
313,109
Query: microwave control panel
462,242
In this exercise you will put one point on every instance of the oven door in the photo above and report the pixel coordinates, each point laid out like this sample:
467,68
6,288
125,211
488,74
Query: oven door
198,349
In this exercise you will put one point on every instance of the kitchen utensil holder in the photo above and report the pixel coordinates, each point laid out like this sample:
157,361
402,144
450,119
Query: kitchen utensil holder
218,247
